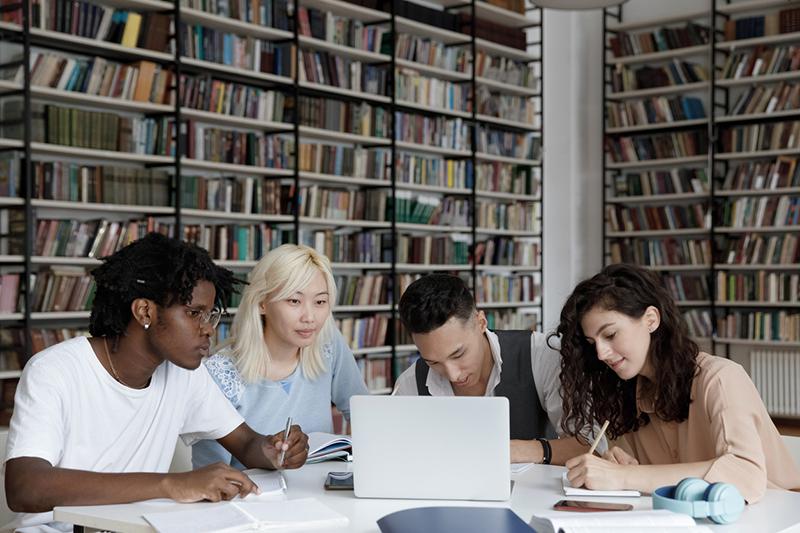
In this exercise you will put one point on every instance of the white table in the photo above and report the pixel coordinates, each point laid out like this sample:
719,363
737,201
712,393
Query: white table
535,491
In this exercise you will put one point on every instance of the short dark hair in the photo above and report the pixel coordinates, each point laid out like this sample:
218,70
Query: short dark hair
155,267
432,300
591,390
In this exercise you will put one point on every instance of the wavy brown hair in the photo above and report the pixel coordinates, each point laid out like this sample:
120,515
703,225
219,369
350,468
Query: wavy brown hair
591,390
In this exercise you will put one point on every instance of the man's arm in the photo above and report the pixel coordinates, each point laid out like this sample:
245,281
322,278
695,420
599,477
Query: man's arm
259,451
33,485
563,449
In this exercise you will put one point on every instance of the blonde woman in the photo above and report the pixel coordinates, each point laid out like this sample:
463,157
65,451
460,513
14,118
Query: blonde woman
285,356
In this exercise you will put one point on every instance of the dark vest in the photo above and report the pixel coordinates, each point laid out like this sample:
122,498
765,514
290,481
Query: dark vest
528,417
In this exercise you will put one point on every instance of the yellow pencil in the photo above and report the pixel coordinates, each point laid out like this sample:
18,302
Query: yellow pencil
598,437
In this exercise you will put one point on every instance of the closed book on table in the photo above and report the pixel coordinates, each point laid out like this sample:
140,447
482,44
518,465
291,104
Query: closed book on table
454,520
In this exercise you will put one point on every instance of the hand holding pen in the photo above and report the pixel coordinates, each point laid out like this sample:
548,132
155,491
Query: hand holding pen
291,445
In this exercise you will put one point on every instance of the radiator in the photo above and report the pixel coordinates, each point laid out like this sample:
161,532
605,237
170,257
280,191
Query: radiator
777,378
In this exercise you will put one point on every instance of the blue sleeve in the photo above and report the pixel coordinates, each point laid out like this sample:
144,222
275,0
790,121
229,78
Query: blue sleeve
347,379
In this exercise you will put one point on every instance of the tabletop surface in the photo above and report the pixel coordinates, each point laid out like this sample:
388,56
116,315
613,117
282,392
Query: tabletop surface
534,491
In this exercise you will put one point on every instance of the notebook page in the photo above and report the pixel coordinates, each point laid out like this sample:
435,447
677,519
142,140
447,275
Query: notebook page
319,442
271,483
553,521
304,512
222,518
666,529
569,490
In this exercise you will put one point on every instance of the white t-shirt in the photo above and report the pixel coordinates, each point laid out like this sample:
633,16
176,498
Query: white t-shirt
71,412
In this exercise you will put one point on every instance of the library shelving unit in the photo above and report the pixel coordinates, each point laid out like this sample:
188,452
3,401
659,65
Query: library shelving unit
749,257
366,129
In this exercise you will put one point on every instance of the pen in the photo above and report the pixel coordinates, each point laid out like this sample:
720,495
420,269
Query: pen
286,436
598,437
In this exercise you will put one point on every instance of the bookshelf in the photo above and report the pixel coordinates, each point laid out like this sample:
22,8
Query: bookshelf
399,139
744,257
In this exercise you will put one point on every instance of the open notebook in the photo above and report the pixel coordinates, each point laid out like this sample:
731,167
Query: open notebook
230,517
615,522
325,446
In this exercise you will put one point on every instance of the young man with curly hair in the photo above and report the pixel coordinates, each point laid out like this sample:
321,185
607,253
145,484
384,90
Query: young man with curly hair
96,419
468,359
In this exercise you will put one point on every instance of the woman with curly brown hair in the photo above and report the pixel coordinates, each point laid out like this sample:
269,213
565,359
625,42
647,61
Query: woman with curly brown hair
627,358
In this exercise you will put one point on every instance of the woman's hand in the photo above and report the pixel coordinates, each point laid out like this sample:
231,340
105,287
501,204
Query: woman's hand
620,456
595,473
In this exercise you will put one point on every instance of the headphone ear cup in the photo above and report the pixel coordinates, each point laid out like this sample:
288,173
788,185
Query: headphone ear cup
691,489
727,495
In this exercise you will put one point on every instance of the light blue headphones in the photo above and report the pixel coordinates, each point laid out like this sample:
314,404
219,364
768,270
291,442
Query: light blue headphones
720,502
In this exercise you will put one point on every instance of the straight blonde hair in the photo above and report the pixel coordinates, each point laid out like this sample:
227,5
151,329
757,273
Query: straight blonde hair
284,271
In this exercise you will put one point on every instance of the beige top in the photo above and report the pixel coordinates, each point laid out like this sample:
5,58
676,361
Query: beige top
727,423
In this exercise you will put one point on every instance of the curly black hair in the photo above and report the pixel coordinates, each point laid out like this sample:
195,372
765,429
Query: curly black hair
594,392
432,300
155,267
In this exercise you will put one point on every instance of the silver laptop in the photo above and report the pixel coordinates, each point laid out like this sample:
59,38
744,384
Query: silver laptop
423,447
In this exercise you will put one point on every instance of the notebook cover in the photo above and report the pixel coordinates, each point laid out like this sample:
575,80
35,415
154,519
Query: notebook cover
454,520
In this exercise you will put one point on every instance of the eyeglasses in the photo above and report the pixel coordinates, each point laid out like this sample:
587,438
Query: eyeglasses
205,317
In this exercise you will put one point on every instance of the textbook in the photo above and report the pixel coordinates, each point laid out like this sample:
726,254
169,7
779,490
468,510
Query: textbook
616,521
569,490
325,446
454,520
230,517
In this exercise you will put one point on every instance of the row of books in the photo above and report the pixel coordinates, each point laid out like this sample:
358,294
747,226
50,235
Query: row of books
363,289
337,71
505,251
783,21
687,287
237,242
10,176
73,182
498,288
529,319
655,182
624,78
657,146
237,194
377,373
625,44
758,249
339,160
654,110
504,177
518,216
767,136
761,212
340,30
661,217
434,171
508,106
62,288
507,70
758,286
343,204
509,144
143,81
205,93
349,247
699,322
90,238
219,145
269,13
9,292
767,99
429,209
348,117
778,173
430,52
244,52
452,133
102,23
760,325
366,332
452,249
761,61
661,252
410,86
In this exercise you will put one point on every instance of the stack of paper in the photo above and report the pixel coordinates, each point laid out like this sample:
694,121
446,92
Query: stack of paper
616,522
325,446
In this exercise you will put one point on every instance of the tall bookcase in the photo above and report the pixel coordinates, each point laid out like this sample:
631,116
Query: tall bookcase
370,132
743,258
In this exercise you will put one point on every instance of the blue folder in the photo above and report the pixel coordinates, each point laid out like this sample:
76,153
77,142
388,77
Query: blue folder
454,520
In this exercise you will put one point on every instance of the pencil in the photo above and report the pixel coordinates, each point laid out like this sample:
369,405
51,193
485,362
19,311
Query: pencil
598,437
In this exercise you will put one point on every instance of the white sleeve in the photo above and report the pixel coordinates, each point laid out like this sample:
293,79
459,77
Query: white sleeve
39,419
406,384
546,366
209,414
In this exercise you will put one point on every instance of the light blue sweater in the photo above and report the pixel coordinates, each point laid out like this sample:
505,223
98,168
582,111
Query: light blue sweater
266,404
